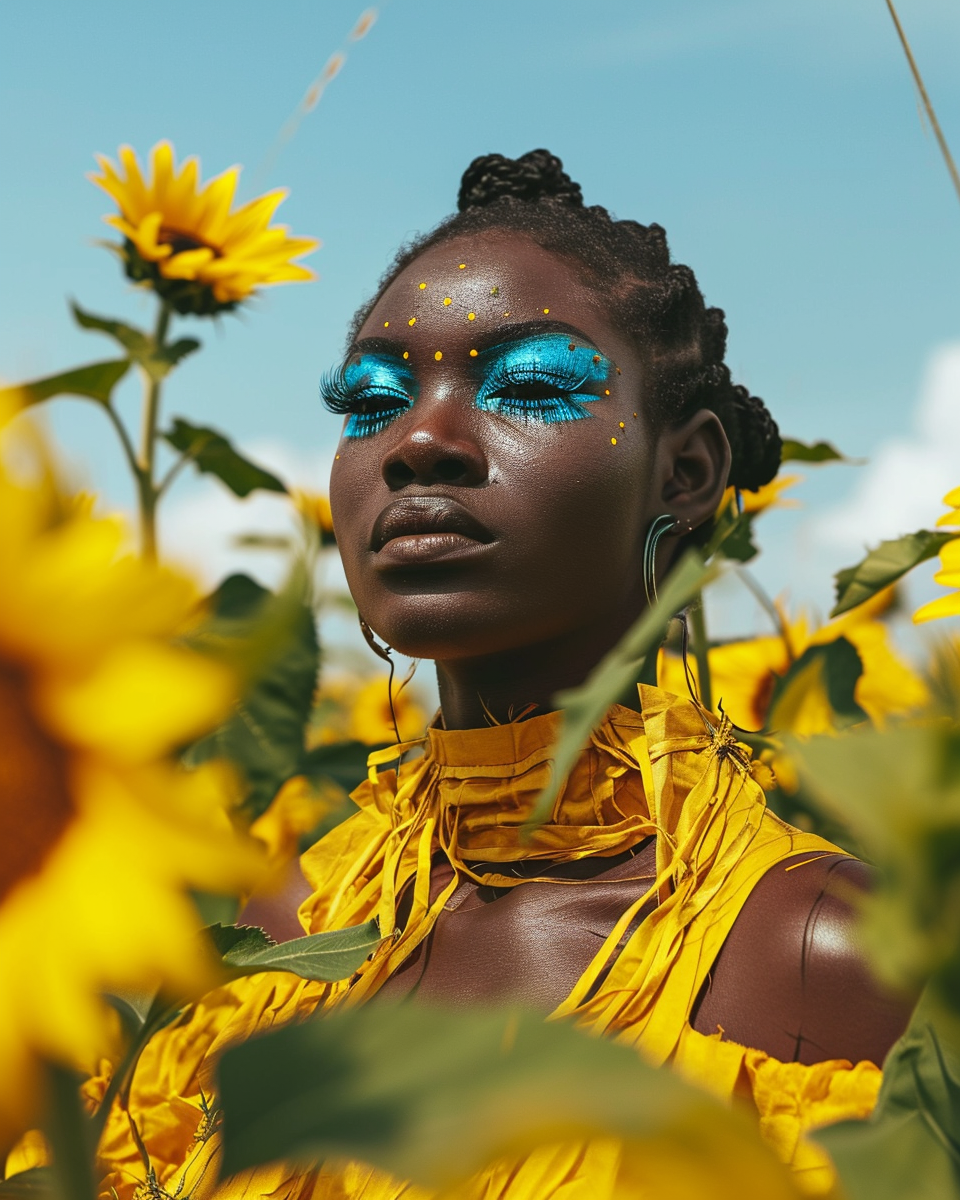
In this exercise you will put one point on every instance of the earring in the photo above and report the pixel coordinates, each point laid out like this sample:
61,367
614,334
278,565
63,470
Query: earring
383,651
658,528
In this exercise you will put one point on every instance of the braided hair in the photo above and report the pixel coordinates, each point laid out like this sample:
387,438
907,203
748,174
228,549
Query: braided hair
655,301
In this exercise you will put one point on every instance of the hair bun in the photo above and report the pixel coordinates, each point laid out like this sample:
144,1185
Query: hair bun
754,439
537,175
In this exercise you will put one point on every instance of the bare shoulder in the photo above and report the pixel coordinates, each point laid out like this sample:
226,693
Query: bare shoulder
792,977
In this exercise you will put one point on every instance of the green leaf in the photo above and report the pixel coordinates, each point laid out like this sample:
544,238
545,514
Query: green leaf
324,957
812,452
214,455
35,1183
95,381
732,536
344,763
272,639
885,565
898,791
836,666
738,543
433,1095
240,938
911,1144
140,346
586,706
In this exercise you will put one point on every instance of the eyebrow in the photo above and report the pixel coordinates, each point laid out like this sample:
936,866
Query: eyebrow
516,332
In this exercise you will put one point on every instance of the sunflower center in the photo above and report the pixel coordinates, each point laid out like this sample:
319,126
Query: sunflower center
185,241
35,801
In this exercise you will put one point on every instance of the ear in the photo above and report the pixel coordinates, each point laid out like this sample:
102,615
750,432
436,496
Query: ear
695,464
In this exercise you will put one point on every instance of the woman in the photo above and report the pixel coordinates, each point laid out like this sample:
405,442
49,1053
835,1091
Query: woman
533,389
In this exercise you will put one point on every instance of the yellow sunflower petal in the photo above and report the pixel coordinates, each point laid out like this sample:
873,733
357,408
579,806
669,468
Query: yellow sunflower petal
217,197
945,606
188,264
141,702
146,238
953,498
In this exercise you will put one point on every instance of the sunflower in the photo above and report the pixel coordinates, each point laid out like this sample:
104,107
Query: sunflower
949,573
744,674
101,833
184,241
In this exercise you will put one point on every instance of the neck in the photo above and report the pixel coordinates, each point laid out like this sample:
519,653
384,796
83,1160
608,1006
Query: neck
503,686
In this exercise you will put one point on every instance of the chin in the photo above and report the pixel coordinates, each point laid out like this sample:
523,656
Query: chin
452,625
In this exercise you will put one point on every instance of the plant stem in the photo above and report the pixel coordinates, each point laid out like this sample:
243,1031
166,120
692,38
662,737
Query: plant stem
68,1132
148,491
701,652
931,115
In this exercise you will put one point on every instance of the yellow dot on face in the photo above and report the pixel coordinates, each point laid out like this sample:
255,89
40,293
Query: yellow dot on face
622,426
461,266
634,416
619,372
494,291
606,391
438,355
506,314
422,286
447,300
337,456
546,310
412,321
473,353
471,316
406,354
596,358
613,441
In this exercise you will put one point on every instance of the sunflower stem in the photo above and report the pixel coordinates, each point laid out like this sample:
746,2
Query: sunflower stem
701,652
68,1131
147,488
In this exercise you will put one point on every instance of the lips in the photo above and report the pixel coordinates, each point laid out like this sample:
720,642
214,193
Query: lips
426,529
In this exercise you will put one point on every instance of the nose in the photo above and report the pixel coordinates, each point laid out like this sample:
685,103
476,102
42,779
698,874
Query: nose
433,451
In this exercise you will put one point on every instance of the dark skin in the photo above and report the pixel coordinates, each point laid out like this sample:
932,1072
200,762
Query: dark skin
509,551
511,622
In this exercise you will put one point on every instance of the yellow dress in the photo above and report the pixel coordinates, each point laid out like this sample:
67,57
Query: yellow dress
666,773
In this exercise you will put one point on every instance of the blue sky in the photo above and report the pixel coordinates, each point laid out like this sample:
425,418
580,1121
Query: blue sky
780,145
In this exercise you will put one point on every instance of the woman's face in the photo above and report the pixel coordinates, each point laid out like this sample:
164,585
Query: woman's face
495,481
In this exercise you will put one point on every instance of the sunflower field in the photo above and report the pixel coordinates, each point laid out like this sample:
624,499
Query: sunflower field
139,712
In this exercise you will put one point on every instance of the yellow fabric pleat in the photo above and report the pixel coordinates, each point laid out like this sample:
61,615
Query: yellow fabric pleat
669,773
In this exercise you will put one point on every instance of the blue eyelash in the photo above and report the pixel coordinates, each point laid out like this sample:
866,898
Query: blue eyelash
547,367
372,393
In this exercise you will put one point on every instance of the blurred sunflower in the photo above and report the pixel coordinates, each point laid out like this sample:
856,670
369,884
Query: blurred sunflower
101,834
744,674
371,720
949,573
184,241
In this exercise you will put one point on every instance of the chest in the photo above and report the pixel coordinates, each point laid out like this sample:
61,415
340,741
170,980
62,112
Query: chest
526,944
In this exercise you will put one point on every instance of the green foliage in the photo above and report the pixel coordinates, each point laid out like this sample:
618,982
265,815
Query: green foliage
432,1096
324,957
732,536
911,1145
157,360
585,707
811,452
35,1184
93,382
885,565
273,640
833,669
70,1137
898,791
213,454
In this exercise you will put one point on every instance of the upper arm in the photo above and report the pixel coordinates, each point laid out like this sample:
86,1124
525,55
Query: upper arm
792,977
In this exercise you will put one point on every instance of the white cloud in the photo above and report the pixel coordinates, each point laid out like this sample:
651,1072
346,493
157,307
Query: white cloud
902,487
